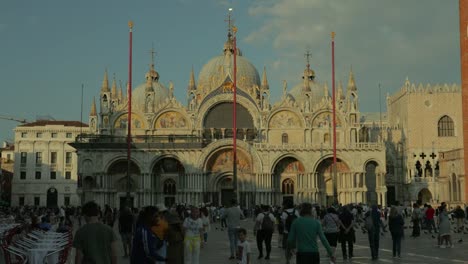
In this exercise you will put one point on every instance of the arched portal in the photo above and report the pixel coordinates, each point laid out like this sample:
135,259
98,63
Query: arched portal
167,173
327,184
122,181
285,175
424,196
219,166
52,198
88,185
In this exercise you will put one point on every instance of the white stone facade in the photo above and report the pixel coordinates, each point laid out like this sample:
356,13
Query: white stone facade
45,163
423,121
184,153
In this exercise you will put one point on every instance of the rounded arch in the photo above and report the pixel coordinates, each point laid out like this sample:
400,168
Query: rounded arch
324,118
120,158
117,171
89,183
170,119
221,160
167,164
120,121
245,147
445,126
289,163
227,98
328,160
285,118
372,160
424,196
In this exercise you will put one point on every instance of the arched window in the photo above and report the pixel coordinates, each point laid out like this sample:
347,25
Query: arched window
288,187
284,138
445,127
169,187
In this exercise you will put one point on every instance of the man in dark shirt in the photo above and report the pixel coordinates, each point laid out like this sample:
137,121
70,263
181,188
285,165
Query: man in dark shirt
95,242
347,235
126,229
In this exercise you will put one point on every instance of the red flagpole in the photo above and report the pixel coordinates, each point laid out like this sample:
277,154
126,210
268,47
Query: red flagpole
334,114
129,115
234,116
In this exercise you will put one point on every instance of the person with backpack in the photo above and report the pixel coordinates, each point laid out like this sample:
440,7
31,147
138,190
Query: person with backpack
331,227
287,218
264,227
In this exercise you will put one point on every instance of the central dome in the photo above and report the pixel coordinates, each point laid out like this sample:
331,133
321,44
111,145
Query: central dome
214,73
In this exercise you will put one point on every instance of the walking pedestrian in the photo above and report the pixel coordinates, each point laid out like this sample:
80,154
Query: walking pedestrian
416,219
94,242
264,228
303,236
126,229
233,216
373,225
243,249
193,227
347,233
396,224
175,239
287,218
444,228
331,227
145,242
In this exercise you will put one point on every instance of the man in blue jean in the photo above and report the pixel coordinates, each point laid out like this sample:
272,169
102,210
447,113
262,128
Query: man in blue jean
233,216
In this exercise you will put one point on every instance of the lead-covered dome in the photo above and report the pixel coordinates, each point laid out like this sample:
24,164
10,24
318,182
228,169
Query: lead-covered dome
139,100
215,72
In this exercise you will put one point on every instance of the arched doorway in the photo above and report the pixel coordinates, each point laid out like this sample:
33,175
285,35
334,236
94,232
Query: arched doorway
424,196
285,175
88,185
117,174
52,198
287,190
167,174
169,191
226,191
327,184
219,166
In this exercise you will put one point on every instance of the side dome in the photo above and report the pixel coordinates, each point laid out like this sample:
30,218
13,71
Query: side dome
161,93
214,73
316,92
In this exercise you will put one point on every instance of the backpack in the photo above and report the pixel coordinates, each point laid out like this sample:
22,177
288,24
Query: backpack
368,223
267,223
289,219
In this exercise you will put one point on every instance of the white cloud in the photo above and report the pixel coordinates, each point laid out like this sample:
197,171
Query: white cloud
383,40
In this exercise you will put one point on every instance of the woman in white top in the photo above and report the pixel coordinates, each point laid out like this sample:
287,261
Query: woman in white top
193,227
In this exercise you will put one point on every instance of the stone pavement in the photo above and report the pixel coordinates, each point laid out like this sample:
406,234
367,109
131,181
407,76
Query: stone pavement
419,250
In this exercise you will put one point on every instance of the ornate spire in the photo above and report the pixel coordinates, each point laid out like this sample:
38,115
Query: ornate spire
351,83
191,85
120,91
341,95
114,87
93,108
105,83
265,85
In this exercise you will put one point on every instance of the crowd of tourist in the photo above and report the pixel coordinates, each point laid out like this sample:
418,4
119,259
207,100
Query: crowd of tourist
156,234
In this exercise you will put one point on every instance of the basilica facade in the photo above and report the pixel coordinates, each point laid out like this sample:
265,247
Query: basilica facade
183,152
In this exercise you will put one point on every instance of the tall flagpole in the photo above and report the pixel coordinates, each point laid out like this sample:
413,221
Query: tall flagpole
129,115
335,191
234,116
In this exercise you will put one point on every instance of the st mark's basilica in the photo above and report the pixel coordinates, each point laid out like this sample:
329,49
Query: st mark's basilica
182,152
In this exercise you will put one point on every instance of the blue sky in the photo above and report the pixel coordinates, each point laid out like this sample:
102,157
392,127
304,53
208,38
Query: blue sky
49,48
